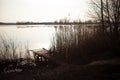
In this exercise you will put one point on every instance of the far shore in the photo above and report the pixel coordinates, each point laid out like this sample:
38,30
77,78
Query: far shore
48,23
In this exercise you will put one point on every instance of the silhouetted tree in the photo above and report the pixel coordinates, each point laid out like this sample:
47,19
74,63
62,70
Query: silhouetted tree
108,13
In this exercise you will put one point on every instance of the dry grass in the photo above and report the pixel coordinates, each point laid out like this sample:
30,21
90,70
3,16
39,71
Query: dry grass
79,44
11,53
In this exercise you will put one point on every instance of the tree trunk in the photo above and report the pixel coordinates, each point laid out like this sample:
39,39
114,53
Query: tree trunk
102,16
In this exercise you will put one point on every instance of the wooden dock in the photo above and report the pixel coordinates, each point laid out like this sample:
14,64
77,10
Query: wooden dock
44,56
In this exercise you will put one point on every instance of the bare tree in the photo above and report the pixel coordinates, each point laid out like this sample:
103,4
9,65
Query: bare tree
108,13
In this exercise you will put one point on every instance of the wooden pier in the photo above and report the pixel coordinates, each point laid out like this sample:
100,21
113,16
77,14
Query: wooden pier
41,56
44,57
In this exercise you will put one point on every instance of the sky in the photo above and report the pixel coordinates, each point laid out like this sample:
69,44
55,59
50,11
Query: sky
42,10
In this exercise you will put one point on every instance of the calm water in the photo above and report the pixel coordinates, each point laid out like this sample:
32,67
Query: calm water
37,36
52,37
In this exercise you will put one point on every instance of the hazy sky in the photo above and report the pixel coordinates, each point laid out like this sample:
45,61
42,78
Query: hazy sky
42,10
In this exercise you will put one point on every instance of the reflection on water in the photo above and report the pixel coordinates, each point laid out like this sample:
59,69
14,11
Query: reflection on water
37,36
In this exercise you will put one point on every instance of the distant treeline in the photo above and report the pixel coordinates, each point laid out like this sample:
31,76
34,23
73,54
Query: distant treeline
47,23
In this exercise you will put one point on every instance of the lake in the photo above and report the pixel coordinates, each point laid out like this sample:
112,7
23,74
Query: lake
58,38
37,36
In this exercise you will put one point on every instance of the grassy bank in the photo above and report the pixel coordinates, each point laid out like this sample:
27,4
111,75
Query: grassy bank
71,72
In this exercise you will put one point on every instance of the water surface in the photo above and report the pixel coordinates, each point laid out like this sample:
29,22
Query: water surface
37,36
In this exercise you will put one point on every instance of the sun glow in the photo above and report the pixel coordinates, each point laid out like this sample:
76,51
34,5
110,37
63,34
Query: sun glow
42,10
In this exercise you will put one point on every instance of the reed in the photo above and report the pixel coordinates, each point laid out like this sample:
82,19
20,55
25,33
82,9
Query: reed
12,49
11,53
79,43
